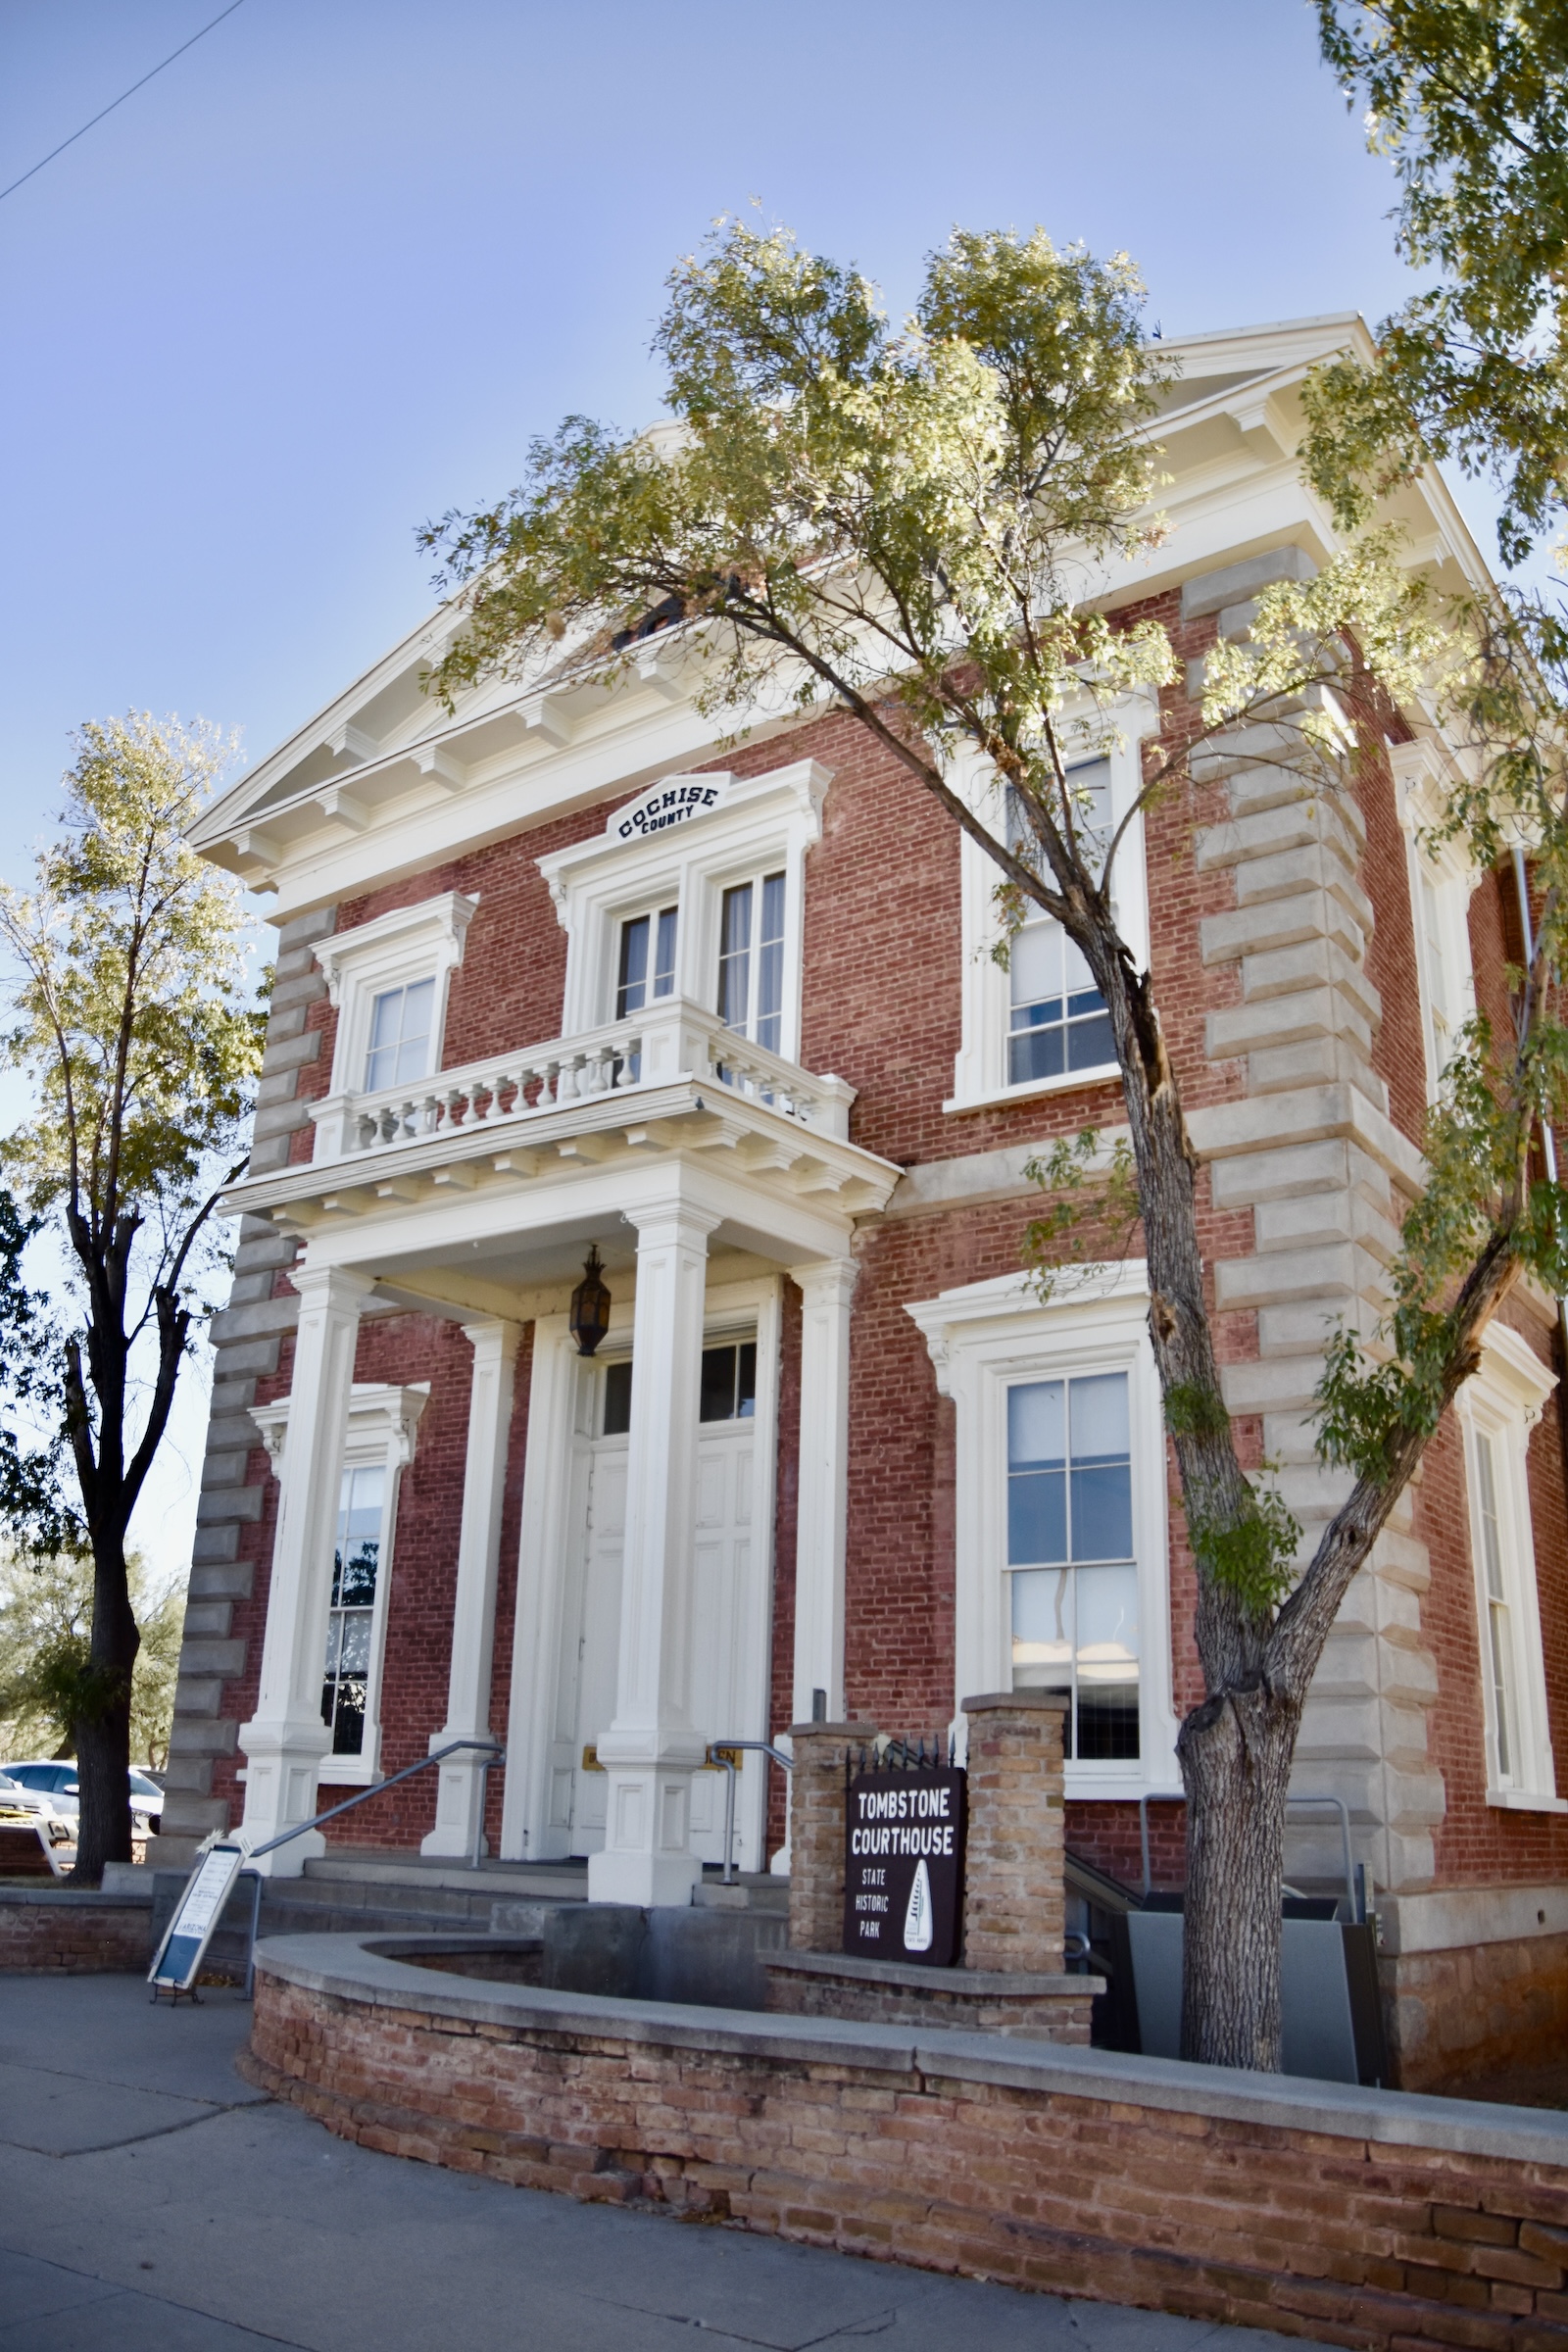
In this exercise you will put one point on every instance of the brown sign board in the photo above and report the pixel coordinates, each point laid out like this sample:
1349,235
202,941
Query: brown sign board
903,1866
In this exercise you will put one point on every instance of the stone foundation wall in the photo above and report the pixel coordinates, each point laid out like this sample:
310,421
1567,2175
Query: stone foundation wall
1486,2009
1354,2217
64,1931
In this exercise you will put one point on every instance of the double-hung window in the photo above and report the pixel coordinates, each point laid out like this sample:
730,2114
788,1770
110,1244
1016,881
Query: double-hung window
1057,1020
1071,1563
1441,879
751,960
401,1023
1498,1406
647,967
350,1623
378,1444
1060,1508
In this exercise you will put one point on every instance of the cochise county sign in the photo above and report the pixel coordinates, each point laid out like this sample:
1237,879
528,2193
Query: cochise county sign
674,801
903,1866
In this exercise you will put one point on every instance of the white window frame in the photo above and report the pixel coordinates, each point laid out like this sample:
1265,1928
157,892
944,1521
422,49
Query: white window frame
1446,869
985,1338
980,1066
756,825
1503,1399
383,1428
423,941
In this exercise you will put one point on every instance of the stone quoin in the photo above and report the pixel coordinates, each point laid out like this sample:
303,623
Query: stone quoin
559,970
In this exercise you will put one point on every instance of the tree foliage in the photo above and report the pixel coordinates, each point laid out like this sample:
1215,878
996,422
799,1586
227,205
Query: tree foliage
35,1512
1469,101
45,1639
137,1032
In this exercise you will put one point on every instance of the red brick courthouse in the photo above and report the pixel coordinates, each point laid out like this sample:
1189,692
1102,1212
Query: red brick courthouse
557,974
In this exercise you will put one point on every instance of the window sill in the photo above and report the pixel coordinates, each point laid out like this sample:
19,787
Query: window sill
1101,1784
1525,1801
1104,1075
346,1771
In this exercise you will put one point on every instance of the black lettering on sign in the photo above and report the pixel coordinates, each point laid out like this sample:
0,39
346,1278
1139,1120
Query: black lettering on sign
903,1866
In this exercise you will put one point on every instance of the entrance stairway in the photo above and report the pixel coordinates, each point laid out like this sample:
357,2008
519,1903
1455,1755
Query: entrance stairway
368,1891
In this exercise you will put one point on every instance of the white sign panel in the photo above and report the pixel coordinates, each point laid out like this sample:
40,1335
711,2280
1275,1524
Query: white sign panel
196,1915
674,801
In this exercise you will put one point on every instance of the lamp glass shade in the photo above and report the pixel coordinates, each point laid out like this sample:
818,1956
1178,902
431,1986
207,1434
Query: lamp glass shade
590,1305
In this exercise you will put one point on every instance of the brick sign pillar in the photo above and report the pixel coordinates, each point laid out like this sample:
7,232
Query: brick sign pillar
817,1832
1016,1847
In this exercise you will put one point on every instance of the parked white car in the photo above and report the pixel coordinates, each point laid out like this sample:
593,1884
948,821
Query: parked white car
57,1782
59,1827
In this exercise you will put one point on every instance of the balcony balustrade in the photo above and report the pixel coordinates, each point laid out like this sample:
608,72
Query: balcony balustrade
673,1042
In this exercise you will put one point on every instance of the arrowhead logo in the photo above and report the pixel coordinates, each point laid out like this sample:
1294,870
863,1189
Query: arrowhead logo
917,1917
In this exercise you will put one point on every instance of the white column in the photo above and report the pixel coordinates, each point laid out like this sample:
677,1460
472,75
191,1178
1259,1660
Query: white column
285,1739
822,1508
652,1750
461,1778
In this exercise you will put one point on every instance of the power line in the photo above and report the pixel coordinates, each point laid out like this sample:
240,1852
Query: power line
120,100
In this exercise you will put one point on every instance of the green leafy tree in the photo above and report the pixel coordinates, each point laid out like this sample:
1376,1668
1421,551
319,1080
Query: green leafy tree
45,1637
137,1030
907,526
1469,101
34,1508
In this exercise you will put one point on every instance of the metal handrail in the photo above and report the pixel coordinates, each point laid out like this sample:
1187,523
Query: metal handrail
1178,1796
491,1749
727,1764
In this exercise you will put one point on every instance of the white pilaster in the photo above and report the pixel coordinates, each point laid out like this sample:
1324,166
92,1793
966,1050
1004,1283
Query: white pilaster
461,1790
821,1514
652,1748
285,1739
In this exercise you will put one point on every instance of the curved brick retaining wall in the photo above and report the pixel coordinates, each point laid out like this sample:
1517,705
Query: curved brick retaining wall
1359,2217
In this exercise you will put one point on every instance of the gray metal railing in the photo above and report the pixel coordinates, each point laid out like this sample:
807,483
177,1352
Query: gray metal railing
727,1764
1178,1796
494,1754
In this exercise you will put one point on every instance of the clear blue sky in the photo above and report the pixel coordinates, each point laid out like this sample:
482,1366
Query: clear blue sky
324,276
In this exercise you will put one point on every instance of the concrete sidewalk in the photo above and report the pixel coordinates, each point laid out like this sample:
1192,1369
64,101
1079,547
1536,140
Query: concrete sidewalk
151,2202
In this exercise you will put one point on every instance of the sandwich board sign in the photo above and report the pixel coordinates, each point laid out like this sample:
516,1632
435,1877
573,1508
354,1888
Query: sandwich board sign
196,1915
903,1866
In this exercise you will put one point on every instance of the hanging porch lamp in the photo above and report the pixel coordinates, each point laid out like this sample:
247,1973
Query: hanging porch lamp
589,1319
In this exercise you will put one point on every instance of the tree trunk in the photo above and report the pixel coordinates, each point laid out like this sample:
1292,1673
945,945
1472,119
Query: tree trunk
1235,1753
103,1724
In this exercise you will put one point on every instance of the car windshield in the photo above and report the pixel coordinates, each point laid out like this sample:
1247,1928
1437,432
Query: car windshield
142,1786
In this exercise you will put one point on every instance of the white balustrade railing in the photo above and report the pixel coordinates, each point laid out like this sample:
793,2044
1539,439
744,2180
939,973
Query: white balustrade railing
507,1090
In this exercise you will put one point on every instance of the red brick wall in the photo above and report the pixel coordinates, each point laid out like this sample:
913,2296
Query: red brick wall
56,1933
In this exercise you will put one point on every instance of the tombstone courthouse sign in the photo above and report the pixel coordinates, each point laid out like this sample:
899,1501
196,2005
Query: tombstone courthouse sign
903,1866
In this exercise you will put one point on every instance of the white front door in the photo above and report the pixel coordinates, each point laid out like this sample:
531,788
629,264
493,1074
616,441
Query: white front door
729,1656
728,1637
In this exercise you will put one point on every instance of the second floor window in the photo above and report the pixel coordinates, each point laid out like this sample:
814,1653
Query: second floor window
647,967
751,960
1059,1022
400,1020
